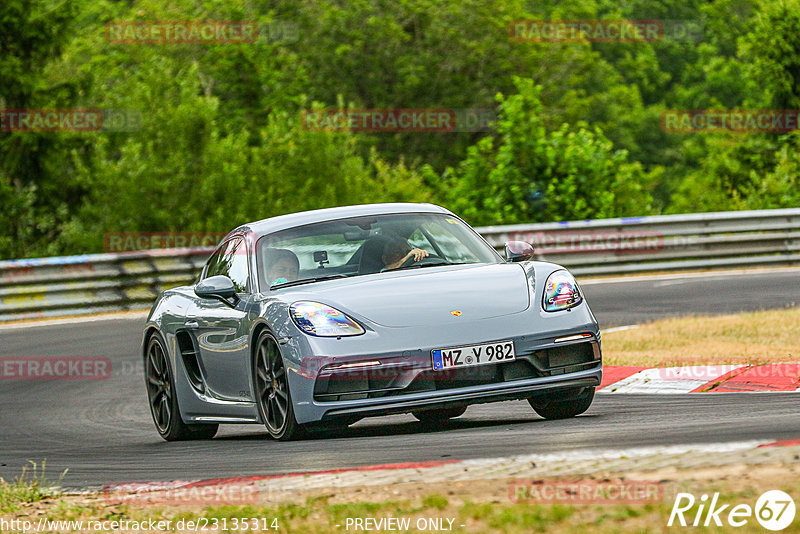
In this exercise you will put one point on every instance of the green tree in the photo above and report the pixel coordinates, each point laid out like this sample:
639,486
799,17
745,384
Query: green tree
738,171
529,173
772,52
35,173
182,172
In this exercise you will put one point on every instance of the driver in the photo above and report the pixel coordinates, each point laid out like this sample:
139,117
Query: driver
397,252
282,266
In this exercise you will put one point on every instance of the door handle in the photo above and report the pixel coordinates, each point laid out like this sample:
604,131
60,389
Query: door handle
191,324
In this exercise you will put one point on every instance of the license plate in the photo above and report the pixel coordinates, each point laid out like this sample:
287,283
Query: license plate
472,355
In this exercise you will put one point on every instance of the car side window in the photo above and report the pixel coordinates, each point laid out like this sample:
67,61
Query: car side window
238,271
231,260
215,261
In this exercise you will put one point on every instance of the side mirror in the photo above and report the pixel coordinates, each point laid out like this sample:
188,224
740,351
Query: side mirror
217,287
518,251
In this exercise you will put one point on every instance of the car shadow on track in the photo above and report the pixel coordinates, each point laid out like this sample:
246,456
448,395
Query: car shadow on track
372,429
367,428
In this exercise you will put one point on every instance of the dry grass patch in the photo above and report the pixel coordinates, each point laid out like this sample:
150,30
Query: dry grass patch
747,338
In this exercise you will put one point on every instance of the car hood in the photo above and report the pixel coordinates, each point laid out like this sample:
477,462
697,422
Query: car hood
430,295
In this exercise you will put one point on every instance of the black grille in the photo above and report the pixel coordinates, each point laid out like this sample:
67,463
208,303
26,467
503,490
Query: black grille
386,382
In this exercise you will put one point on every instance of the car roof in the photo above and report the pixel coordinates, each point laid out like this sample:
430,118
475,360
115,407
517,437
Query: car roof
291,220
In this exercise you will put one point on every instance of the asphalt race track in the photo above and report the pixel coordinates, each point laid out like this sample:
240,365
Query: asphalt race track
101,429
640,299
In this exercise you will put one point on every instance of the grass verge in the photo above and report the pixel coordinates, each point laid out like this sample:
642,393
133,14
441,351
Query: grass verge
746,338
490,511
29,487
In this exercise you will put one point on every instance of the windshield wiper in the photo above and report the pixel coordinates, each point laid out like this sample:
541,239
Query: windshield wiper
307,281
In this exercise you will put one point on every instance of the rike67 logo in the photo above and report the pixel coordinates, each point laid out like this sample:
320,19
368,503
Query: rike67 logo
774,510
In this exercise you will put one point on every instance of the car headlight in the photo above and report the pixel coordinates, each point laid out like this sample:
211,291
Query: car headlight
560,292
318,319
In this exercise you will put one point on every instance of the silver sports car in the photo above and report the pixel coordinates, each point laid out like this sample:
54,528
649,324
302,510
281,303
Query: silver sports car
318,319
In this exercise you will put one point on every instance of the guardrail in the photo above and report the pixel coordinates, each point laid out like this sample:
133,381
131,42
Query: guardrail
93,283
71,285
662,242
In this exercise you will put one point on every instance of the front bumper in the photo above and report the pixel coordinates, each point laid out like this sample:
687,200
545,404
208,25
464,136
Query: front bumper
470,395
405,382
400,376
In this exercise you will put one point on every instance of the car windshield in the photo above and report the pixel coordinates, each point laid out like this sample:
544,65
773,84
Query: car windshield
367,245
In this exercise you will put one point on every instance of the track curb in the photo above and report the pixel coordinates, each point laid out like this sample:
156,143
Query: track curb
780,377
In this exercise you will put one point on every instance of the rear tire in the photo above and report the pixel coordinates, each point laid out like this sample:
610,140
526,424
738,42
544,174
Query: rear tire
163,397
560,408
438,415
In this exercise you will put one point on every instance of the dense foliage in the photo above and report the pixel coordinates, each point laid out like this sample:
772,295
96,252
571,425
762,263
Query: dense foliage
221,140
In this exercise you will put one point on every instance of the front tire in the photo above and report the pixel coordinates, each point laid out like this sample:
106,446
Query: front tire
163,397
560,408
272,390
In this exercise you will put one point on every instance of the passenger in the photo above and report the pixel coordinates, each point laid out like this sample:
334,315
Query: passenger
282,266
397,252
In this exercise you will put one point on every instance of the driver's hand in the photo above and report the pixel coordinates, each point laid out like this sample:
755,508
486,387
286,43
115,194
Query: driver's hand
418,253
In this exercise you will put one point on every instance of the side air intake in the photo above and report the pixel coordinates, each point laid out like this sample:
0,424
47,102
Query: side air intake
188,352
